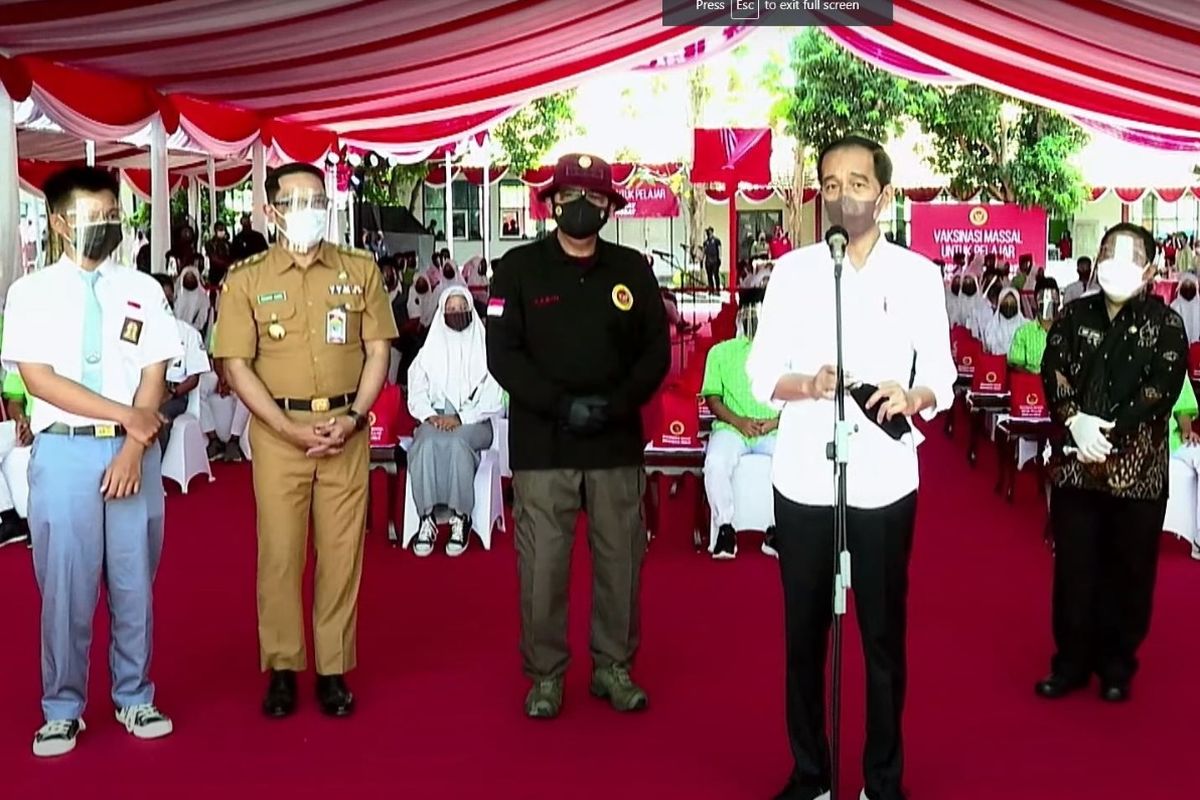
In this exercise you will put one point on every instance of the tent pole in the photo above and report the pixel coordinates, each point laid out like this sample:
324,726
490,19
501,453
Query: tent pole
89,152
333,234
160,200
733,241
449,209
258,191
486,219
210,169
11,265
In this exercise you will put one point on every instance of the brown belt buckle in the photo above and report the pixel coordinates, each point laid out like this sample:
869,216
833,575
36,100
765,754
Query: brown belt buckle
320,404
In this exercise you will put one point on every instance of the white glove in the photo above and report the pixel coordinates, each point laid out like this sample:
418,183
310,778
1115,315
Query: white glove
1090,439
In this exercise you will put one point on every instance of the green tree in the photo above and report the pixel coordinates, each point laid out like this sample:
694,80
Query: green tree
694,203
1013,151
388,185
531,132
825,92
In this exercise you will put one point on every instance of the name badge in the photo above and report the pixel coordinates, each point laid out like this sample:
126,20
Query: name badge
335,326
104,431
131,330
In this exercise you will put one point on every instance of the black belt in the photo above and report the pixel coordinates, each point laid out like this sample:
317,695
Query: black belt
318,404
95,431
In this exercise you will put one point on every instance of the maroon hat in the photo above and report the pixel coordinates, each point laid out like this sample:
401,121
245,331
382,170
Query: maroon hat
585,172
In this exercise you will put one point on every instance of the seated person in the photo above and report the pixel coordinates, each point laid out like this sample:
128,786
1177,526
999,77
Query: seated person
985,310
743,425
183,374
15,441
1184,468
1187,305
1029,342
213,391
999,333
960,313
190,303
1085,285
452,394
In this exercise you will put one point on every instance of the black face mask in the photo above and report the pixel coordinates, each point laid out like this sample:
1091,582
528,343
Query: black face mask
580,219
483,270
98,242
969,291
1188,292
1008,310
190,282
458,320
448,273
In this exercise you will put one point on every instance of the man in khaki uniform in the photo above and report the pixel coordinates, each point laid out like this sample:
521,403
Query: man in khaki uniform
305,330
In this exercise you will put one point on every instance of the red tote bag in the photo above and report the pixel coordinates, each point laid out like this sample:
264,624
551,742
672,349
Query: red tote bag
1194,361
966,350
1028,396
673,418
991,374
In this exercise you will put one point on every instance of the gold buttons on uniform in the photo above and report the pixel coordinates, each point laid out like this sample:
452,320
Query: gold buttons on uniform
343,276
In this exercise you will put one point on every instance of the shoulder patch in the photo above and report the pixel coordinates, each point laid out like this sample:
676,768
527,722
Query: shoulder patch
246,262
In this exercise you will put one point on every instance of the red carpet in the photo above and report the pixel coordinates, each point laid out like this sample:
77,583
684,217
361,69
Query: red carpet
440,687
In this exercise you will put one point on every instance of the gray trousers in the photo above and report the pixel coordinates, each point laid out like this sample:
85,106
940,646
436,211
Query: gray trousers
79,540
547,503
442,464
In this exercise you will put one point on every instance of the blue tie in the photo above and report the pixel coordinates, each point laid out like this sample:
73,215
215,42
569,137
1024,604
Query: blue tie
93,334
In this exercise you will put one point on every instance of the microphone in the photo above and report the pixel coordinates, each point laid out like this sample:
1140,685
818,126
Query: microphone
661,254
837,239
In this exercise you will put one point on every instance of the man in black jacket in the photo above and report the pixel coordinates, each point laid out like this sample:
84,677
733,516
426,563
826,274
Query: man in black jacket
577,335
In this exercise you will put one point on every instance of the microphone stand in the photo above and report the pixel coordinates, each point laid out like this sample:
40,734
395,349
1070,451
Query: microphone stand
837,451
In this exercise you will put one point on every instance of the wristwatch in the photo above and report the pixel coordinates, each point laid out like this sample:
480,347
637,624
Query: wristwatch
360,422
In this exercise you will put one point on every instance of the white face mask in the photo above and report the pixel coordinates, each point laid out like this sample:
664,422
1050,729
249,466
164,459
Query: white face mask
1120,278
304,228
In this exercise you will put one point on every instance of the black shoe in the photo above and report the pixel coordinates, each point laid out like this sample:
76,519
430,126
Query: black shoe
1114,691
726,546
281,694
794,791
334,696
768,545
13,531
1054,686
216,449
233,451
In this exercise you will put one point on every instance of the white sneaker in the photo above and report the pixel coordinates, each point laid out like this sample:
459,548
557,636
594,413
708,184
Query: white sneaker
145,721
460,536
426,538
57,737
1196,551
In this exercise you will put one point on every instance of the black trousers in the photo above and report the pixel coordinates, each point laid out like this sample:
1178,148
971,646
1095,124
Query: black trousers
880,544
1105,561
713,271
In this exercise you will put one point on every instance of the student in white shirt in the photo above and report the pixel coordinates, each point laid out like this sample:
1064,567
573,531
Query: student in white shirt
183,375
92,340
896,338
1083,286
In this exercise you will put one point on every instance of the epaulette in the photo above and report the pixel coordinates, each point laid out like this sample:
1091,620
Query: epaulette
245,262
354,251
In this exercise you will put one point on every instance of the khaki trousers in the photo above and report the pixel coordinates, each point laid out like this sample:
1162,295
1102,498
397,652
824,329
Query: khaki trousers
289,488
546,505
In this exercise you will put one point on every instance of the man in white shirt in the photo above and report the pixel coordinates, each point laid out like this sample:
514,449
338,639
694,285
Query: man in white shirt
897,349
183,375
92,340
1083,268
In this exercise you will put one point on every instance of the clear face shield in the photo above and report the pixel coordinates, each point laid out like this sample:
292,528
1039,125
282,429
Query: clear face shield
747,322
302,217
92,227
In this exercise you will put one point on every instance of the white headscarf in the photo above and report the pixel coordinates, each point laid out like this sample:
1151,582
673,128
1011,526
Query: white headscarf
192,305
450,371
1188,309
998,336
421,306
478,284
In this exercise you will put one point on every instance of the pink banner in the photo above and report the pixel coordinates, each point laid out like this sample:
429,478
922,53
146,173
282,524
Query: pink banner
644,200
939,230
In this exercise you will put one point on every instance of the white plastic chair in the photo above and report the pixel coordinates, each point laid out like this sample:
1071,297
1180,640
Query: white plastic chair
500,425
16,474
1181,503
187,453
753,497
489,497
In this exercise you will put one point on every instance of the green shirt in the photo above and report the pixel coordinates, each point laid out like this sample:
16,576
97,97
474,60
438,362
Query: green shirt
725,377
14,387
1185,404
1028,347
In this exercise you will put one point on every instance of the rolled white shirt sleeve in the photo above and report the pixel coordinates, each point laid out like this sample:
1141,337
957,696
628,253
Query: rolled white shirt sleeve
195,360
770,358
420,403
935,368
160,333
24,330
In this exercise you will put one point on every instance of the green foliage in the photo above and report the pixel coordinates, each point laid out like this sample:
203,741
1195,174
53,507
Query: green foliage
397,185
1013,151
532,131
825,92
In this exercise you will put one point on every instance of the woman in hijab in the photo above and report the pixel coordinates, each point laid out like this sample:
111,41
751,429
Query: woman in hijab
954,299
421,304
998,337
191,299
454,396
984,309
1187,305
960,313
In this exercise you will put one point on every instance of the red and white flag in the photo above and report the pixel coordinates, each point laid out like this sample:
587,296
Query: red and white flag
732,155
